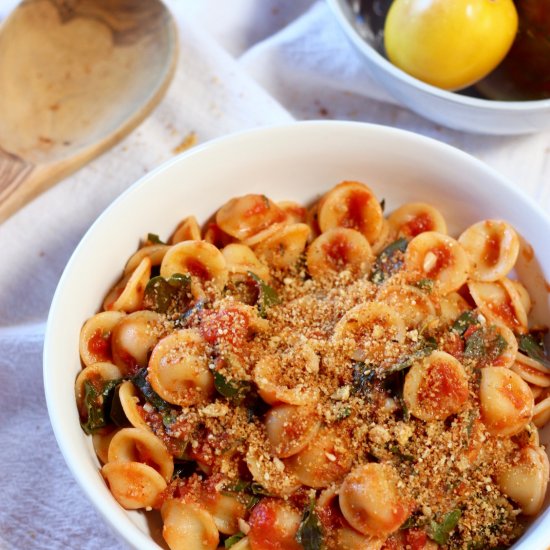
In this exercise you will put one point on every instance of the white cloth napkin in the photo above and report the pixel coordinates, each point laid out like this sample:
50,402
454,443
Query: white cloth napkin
242,64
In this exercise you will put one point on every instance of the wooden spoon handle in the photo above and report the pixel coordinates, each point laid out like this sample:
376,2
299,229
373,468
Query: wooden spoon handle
20,181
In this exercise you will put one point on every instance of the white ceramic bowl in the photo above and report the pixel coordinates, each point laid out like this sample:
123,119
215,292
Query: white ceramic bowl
451,109
298,161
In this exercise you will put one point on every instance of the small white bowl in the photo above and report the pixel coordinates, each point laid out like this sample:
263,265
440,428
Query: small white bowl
298,161
458,111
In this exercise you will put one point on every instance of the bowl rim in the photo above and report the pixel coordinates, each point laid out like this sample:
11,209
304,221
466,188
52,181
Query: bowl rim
383,63
113,514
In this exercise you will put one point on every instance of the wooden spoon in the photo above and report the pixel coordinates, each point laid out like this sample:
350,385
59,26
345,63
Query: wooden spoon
76,76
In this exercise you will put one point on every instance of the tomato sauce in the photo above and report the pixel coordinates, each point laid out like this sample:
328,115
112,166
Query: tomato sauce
261,206
512,396
338,251
266,533
442,385
415,539
99,345
506,311
491,252
197,269
356,204
444,259
420,223
229,325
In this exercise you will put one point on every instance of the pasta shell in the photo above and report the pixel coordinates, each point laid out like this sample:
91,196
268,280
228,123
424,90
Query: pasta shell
336,250
414,218
136,445
186,526
187,230
506,402
133,484
178,368
352,205
127,295
440,258
371,501
202,260
436,387
95,337
492,247
284,248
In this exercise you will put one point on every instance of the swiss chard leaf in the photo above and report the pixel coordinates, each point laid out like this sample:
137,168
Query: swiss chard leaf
250,489
233,539
529,345
424,348
162,295
141,382
363,377
309,534
267,296
388,261
153,238
426,284
236,390
440,531
465,321
98,404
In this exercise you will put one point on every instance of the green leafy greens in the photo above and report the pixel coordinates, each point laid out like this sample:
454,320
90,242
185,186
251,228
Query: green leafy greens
529,345
98,404
388,261
267,296
309,534
440,531
163,295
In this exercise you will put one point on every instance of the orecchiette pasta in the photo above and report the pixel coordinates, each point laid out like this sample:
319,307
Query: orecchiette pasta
371,501
438,257
501,303
241,260
127,295
493,248
188,527
133,338
133,484
321,376
95,337
178,369
336,250
436,387
202,260
187,230
135,445
506,401
525,481
414,218
353,205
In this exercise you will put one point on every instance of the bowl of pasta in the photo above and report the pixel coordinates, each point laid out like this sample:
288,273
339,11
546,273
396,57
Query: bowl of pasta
318,335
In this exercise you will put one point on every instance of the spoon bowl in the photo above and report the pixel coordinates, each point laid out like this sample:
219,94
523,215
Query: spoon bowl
76,76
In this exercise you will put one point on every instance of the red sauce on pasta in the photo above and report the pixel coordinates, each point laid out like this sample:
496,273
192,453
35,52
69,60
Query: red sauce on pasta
442,387
491,253
356,204
444,259
420,223
229,325
506,311
196,269
99,345
338,251
266,533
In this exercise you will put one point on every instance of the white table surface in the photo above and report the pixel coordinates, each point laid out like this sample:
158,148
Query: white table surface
214,94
